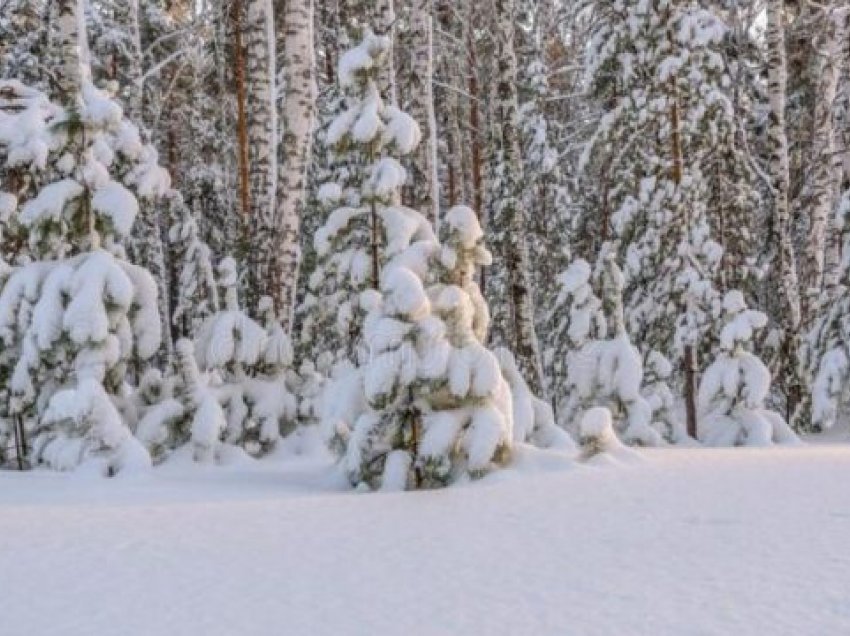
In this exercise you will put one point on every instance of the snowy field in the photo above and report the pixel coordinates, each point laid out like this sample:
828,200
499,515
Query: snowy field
686,541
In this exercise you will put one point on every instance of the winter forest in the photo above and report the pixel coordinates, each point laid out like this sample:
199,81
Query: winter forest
401,245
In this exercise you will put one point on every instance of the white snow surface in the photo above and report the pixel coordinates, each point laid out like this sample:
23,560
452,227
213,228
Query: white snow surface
680,541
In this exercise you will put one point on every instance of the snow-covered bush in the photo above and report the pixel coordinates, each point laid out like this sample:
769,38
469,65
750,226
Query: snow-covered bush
247,363
341,403
596,433
534,421
605,371
657,392
72,311
196,291
734,386
81,425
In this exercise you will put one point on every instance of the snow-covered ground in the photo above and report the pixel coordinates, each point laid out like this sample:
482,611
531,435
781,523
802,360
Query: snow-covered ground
690,541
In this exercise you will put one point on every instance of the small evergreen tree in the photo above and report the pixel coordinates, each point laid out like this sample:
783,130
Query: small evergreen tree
658,394
196,293
350,245
74,315
608,371
249,363
735,385
438,407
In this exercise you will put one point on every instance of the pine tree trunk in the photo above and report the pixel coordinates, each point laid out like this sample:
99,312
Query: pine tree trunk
785,266
689,354
424,191
297,124
510,216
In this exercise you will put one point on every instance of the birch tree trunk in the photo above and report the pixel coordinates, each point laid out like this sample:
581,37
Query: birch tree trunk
424,193
822,187
785,267
298,116
241,116
509,217
69,74
841,155
262,142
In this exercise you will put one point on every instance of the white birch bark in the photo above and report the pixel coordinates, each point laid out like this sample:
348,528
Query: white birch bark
71,31
262,140
841,155
822,188
298,117
425,187
784,260
510,219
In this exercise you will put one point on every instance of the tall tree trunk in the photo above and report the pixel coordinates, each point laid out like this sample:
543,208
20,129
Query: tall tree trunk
822,188
241,120
127,15
69,74
384,11
477,163
262,243
789,301
841,161
689,361
298,116
509,219
424,190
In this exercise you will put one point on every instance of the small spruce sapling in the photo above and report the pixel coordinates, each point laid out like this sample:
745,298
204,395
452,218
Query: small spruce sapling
735,385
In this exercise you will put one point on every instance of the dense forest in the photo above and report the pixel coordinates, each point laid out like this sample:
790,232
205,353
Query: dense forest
419,232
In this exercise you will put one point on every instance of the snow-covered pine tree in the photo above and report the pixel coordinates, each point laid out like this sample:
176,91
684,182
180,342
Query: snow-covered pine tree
185,412
247,362
116,58
735,386
350,245
438,407
324,190
606,371
546,197
510,286
24,42
656,68
575,319
75,313
196,291
596,434
656,390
